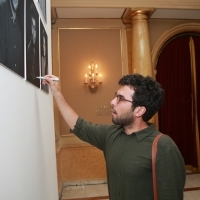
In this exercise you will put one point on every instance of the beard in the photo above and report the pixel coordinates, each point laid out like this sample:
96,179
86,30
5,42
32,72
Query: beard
125,119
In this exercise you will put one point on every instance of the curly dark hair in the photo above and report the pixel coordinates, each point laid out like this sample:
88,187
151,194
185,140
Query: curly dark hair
148,93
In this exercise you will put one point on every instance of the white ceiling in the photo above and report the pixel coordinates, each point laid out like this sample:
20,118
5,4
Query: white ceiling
116,13
176,14
88,13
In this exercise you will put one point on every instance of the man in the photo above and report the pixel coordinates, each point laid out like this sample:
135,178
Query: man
11,45
127,145
32,49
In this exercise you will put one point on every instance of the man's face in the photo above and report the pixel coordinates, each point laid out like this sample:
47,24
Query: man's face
33,29
122,111
14,4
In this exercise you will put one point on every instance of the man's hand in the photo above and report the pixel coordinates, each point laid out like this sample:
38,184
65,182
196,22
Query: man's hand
53,85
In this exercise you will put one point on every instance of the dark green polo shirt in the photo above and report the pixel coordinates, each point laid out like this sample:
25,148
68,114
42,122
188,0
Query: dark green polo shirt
129,164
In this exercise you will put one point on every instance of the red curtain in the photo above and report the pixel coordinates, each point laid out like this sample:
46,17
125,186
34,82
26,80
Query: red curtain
175,116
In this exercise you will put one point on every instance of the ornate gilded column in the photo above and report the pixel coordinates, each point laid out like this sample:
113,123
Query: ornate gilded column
129,46
138,43
141,53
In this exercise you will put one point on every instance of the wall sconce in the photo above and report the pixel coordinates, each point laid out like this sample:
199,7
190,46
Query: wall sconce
92,81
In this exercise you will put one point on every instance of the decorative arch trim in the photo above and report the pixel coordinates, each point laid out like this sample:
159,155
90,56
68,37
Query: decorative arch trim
186,27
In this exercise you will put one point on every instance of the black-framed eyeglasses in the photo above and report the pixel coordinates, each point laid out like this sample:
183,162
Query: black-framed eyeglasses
121,98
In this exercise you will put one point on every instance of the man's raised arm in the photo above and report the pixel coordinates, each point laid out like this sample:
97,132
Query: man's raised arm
67,112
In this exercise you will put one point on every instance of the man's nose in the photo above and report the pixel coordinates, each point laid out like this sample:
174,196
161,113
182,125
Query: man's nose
113,101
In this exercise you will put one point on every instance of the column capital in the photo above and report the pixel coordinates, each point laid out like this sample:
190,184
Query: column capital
132,12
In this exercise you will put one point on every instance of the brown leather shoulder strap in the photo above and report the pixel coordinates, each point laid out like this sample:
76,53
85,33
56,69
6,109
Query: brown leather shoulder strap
154,152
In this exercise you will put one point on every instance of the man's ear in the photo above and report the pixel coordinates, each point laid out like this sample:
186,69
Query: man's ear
139,111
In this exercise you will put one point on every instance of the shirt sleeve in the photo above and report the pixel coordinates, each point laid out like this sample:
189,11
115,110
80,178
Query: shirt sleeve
170,170
95,134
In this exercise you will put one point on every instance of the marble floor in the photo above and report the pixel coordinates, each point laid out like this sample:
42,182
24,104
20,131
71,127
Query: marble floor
98,191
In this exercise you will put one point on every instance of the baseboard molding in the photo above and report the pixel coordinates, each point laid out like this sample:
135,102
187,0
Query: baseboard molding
90,198
85,182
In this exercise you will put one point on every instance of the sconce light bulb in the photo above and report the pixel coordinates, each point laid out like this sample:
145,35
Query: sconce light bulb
92,65
86,78
100,78
93,77
89,70
96,71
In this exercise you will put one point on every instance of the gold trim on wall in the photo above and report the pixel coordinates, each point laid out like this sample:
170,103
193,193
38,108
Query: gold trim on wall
194,98
193,27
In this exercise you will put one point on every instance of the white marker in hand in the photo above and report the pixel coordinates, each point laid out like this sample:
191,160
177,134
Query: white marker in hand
52,78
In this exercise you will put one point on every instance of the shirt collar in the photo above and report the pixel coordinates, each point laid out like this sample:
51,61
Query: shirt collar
140,135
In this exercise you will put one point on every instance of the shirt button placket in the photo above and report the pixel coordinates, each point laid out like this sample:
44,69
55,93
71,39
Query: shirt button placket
119,174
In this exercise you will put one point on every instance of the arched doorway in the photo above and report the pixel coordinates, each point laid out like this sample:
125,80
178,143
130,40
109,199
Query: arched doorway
179,115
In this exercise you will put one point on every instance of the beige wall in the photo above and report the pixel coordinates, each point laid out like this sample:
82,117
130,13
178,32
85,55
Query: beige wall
78,48
77,43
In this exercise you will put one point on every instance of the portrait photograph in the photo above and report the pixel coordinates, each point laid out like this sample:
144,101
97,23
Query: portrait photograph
43,55
42,6
32,44
12,35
